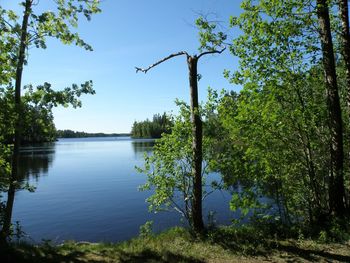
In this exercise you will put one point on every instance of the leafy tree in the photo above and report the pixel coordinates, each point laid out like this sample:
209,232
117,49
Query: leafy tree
33,29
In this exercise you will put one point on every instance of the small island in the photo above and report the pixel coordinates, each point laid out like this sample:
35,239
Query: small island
152,128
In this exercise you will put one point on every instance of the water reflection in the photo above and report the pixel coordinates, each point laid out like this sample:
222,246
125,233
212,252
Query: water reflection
141,146
32,162
35,161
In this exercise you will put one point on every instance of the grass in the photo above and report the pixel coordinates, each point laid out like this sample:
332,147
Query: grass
177,245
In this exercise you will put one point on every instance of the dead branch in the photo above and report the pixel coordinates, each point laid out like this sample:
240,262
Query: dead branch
161,61
211,52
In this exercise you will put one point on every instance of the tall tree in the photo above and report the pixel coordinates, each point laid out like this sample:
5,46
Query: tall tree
336,187
209,42
18,120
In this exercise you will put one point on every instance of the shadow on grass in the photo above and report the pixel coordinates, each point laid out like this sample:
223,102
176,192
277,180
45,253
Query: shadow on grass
254,244
51,254
29,254
147,256
313,255
239,241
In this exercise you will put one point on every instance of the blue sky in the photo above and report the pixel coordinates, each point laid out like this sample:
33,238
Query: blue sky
126,34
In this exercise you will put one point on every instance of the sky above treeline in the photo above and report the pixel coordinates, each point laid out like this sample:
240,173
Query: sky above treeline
129,33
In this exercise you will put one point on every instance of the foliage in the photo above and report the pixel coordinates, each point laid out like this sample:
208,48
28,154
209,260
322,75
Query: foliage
58,23
209,37
152,129
279,135
168,168
277,38
37,105
146,229
278,138
8,44
38,122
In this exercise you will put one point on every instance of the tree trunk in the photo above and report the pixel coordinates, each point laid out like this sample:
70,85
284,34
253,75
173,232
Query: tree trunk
18,122
6,229
336,182
345,39
196,121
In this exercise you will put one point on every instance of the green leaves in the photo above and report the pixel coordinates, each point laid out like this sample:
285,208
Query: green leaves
277,126
168,169
36,112
8,43
58,23
210,39
45,96
245,201
277,39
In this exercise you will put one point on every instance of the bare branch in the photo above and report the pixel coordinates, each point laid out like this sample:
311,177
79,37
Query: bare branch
178,208
211,52
161,61
207,193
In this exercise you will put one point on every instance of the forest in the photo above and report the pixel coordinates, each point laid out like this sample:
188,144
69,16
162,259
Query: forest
152,129
281,145
77,134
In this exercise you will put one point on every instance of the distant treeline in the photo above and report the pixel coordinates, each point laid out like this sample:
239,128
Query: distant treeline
152,128
77,134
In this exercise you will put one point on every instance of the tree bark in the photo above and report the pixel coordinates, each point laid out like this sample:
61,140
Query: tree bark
18,122
345,38
336,182
197,157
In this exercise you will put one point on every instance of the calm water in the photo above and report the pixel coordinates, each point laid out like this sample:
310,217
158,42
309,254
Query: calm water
87,190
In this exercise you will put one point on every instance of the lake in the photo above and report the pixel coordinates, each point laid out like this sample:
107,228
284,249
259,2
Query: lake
87,190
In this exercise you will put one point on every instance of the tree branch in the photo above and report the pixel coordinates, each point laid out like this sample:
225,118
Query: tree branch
211,52
9,25
161,61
